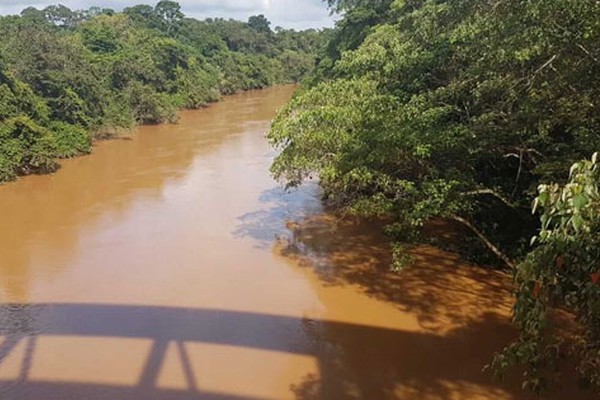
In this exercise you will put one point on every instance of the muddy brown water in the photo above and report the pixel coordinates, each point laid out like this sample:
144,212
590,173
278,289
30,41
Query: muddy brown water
171,266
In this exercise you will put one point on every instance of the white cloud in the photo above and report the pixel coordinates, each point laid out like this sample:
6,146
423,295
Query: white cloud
298,14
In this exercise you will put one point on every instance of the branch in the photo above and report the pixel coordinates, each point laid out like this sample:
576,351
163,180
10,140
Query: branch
491,193
485,241
587,52
512,195
540,69
546,64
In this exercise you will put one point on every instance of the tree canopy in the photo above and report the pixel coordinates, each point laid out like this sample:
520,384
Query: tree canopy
67,76
428,109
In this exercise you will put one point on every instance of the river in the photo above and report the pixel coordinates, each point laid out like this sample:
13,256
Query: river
169,265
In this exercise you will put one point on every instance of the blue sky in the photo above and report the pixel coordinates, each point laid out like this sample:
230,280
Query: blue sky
298,14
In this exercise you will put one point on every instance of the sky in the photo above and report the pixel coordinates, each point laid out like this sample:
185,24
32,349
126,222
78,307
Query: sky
297,14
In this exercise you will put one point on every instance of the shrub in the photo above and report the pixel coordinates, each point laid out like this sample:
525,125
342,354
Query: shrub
71,140
25,147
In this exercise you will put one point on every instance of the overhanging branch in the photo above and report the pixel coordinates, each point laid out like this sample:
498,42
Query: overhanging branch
491,193
485,241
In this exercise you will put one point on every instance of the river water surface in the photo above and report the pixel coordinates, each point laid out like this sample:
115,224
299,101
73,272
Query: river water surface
170,265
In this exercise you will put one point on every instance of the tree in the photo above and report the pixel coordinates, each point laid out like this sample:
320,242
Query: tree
94,12
100,37
341,6
459,110
260,24
170,12
35,15
62,16
429,118
25,147
144,15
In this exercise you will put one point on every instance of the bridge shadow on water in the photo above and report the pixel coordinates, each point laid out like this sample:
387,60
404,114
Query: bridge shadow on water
354,361
457,309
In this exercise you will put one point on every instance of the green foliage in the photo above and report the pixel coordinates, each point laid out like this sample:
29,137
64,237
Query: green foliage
197,85
71,140
62,16
100,36
17,98
244,72
170,13
561,272
69,107
260,23
77,73
451,98
425,109
296,64
25,147
149,106
144,15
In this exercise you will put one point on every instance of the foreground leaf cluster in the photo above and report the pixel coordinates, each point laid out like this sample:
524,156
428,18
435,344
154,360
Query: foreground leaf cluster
562,272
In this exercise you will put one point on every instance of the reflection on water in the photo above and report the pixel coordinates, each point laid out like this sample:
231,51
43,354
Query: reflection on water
171,266
280,206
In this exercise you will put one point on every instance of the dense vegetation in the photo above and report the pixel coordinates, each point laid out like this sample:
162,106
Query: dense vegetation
460,109
69,76
563,271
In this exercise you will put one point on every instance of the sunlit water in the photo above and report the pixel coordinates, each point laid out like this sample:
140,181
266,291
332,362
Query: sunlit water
171,266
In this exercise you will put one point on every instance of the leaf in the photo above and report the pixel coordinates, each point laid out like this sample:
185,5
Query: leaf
577,222
543,197
574,168
560,261
595,277
536,203
580,201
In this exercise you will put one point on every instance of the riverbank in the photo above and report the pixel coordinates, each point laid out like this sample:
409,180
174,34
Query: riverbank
120,133
60,81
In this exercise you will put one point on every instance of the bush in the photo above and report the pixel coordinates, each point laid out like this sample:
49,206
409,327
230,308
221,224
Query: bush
149,106
71,140
25,147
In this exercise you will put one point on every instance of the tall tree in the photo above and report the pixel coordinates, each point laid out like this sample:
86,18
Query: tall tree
62,16
170,12
260,23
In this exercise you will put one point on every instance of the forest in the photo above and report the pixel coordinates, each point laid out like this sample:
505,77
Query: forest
473,112
68,77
